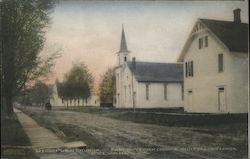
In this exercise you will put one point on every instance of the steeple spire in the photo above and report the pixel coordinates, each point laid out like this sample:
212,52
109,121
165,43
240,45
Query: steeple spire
123,46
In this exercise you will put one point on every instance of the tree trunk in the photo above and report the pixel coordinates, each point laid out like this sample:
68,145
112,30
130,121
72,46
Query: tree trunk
3,105
9,106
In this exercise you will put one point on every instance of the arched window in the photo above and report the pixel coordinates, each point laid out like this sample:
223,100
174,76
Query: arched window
125,58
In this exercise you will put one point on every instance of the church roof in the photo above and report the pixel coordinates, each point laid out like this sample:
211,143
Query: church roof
233,35
157,72
123,45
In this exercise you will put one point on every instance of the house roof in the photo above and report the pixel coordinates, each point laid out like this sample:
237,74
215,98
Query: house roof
234,35
157,72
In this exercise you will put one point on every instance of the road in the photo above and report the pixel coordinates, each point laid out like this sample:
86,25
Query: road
124,139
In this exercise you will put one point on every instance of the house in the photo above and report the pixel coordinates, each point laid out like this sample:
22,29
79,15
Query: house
146,84
55,100
215,59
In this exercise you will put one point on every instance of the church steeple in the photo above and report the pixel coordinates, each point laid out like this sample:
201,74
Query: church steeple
123,45
123,54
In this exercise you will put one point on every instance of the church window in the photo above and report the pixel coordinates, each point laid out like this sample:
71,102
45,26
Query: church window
165,91
125,58
117,82
125,93
147,91
129,87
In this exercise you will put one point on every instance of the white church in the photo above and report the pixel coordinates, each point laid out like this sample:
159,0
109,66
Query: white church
215,60
147,84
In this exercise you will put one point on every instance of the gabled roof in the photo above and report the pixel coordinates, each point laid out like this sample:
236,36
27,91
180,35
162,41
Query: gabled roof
234,35
157,72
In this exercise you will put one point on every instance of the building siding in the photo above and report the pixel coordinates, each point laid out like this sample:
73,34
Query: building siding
156,92
207,79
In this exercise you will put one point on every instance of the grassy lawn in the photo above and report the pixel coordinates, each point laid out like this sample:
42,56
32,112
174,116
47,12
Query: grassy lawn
168,117
14,142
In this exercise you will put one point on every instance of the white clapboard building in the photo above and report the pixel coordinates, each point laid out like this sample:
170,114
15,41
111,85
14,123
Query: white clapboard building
215,59
147,84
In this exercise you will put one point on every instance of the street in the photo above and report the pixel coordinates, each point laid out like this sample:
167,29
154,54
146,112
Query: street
110,138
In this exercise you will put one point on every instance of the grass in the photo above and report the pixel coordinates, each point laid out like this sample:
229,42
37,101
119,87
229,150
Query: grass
168,117
14,141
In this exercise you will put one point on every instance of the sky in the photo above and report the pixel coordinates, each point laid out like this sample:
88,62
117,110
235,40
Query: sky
90,31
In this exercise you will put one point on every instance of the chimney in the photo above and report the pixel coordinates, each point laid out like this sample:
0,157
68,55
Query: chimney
133,63
237,15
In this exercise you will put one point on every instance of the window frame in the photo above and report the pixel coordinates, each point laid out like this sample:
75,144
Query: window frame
200,43
165,91
206,41
220,63
147,91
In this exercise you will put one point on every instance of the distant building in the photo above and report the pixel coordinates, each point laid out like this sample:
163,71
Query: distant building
55,100
147,84
215,59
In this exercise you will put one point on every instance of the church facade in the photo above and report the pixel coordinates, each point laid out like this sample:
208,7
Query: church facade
147,84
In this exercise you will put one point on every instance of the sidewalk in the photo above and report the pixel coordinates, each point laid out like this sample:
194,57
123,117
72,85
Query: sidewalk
43,139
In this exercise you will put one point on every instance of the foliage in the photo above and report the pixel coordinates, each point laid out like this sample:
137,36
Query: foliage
107,86
37,95
23,24
77,84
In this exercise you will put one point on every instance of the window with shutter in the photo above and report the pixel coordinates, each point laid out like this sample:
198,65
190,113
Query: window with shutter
200,43
206,41
220,62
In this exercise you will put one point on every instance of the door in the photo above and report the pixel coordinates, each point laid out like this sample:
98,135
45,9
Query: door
190,98
221,99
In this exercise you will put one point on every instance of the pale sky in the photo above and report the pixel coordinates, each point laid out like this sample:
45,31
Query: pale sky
90,31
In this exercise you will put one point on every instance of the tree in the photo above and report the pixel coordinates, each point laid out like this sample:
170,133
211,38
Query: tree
77,84
107,87
38,94
23,24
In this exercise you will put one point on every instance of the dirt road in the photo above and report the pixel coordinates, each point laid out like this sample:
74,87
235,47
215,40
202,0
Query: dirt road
110,138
